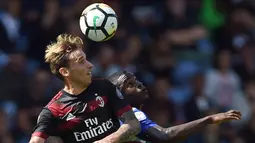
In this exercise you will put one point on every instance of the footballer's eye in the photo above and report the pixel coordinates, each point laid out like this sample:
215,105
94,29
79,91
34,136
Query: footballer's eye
82,61
130,84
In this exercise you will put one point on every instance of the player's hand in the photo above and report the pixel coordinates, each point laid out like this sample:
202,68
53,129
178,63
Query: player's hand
224,117
102,141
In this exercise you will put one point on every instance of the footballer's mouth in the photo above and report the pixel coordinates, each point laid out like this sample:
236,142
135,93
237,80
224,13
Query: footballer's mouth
144,89
89,73
145,92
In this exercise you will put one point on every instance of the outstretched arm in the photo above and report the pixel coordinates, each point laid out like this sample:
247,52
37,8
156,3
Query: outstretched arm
36,139
127,131
177,132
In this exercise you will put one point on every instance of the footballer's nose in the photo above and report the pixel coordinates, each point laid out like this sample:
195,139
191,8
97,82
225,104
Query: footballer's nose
90,65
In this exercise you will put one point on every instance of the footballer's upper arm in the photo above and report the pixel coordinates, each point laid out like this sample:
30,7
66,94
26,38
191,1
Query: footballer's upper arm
150,129
46,126
36,139
157,133
130,119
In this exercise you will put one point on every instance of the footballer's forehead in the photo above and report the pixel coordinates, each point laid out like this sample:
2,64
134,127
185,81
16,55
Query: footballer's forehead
77,55
126,77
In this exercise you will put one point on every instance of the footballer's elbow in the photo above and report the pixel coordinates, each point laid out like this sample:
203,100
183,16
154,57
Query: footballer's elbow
136,127
131,122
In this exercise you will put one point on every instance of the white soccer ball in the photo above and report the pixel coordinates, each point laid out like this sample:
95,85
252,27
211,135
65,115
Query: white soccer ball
98,22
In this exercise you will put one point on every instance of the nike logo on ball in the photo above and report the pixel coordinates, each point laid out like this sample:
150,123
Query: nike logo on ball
95,23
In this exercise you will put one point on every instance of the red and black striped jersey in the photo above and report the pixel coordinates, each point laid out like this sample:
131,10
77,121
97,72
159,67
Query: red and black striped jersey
83,118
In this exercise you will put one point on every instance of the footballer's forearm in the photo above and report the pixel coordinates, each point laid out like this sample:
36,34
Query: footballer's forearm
179,131
127,131
35,139
187,128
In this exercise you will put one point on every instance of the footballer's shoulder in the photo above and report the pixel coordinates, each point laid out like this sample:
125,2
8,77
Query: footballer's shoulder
55,98
54,105
140,115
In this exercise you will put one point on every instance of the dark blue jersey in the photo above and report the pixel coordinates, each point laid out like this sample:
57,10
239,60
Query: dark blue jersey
145,123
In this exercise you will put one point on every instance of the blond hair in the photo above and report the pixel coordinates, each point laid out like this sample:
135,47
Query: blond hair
57,53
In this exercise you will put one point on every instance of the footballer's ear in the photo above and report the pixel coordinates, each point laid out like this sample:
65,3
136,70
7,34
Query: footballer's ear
64,72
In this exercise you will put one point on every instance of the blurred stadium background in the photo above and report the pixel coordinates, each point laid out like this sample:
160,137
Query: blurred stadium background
195,56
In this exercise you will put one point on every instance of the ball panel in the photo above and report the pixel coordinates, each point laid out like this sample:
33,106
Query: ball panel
96,35
95,18
111,25
107,9
105,33
102,5
83,26
110,36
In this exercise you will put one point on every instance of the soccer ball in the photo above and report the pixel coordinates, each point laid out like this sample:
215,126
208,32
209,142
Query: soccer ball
98,22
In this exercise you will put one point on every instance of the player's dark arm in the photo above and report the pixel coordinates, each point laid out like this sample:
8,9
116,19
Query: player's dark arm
158,133
127,131
178,132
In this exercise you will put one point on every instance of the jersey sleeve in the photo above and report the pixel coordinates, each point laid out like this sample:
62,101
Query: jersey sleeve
145,122
46,125
118,101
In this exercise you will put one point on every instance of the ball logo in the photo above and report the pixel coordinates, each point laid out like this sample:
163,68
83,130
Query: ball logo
113,26
119,94
95,20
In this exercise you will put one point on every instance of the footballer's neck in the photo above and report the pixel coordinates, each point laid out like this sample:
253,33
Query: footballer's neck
136,105
74,89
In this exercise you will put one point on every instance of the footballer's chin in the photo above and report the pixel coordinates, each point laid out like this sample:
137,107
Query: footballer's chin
142,99
143,96
88,79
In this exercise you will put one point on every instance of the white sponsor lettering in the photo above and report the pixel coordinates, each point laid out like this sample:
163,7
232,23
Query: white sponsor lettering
93,131
91,122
